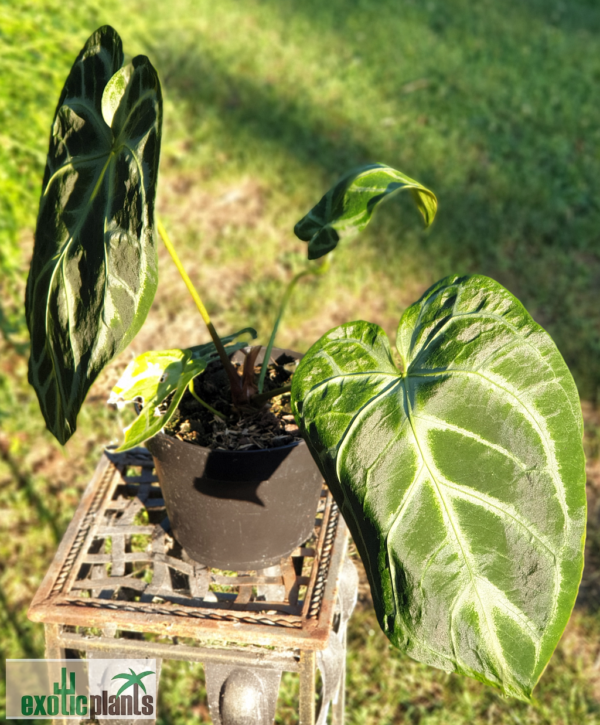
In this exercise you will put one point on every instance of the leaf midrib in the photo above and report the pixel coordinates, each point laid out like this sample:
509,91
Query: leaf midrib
499,658
58,261
547,446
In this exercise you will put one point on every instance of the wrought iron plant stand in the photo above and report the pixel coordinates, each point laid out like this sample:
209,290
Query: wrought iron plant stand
121,586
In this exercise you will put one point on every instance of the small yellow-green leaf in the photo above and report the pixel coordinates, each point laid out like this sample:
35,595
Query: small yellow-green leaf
151,378
154,375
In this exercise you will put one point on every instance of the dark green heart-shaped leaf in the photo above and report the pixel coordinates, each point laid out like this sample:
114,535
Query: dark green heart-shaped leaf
462,478
94,269
347,208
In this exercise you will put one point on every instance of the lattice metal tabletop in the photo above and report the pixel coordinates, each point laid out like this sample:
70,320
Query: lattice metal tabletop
120,583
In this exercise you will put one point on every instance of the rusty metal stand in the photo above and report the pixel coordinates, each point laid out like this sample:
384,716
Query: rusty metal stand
121,586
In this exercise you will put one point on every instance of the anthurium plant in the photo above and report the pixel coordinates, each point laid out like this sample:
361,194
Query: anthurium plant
456,459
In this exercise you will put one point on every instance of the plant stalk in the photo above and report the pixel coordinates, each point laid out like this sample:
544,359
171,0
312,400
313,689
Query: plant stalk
234,378
204,403
284,303
261,398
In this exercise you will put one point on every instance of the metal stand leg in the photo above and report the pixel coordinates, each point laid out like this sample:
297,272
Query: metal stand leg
241,695
54,651
54,648
332,661
308,681
339,701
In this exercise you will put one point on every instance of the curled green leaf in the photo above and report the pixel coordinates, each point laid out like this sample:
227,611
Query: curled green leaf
93,274
347,208
461,476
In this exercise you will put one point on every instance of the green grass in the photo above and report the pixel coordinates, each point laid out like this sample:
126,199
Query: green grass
490,104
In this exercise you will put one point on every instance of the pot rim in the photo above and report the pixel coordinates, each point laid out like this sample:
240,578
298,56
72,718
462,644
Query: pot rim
292,353
263,451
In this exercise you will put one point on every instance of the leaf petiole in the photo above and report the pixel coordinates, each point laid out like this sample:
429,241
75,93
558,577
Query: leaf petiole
321,269
184,275
261,398
204,403
234,379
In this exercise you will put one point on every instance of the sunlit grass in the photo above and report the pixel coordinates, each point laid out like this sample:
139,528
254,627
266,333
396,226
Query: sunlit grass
492,105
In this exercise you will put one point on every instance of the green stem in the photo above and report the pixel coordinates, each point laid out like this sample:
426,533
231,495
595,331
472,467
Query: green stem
234,378
284,302
184,275
206,405
261,398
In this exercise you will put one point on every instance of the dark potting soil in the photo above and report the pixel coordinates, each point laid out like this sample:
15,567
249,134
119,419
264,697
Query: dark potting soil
246,429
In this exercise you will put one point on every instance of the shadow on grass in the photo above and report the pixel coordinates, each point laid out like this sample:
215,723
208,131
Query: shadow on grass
25,483
589,590
27,645
516,196
573,17
252,109
9,328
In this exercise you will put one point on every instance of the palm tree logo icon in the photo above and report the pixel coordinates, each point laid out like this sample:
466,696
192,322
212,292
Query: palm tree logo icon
132,680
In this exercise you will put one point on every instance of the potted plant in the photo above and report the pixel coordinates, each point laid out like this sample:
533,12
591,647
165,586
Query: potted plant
456,459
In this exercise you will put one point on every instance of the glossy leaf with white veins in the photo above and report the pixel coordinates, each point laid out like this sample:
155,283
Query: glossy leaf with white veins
155,375
462,477
94,269
347,207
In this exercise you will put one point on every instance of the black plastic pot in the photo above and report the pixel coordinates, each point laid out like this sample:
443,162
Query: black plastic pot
238,510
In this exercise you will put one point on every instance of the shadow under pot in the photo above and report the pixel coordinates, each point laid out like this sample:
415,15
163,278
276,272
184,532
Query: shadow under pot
237,510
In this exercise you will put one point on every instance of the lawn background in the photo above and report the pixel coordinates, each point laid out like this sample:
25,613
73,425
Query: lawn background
493,105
